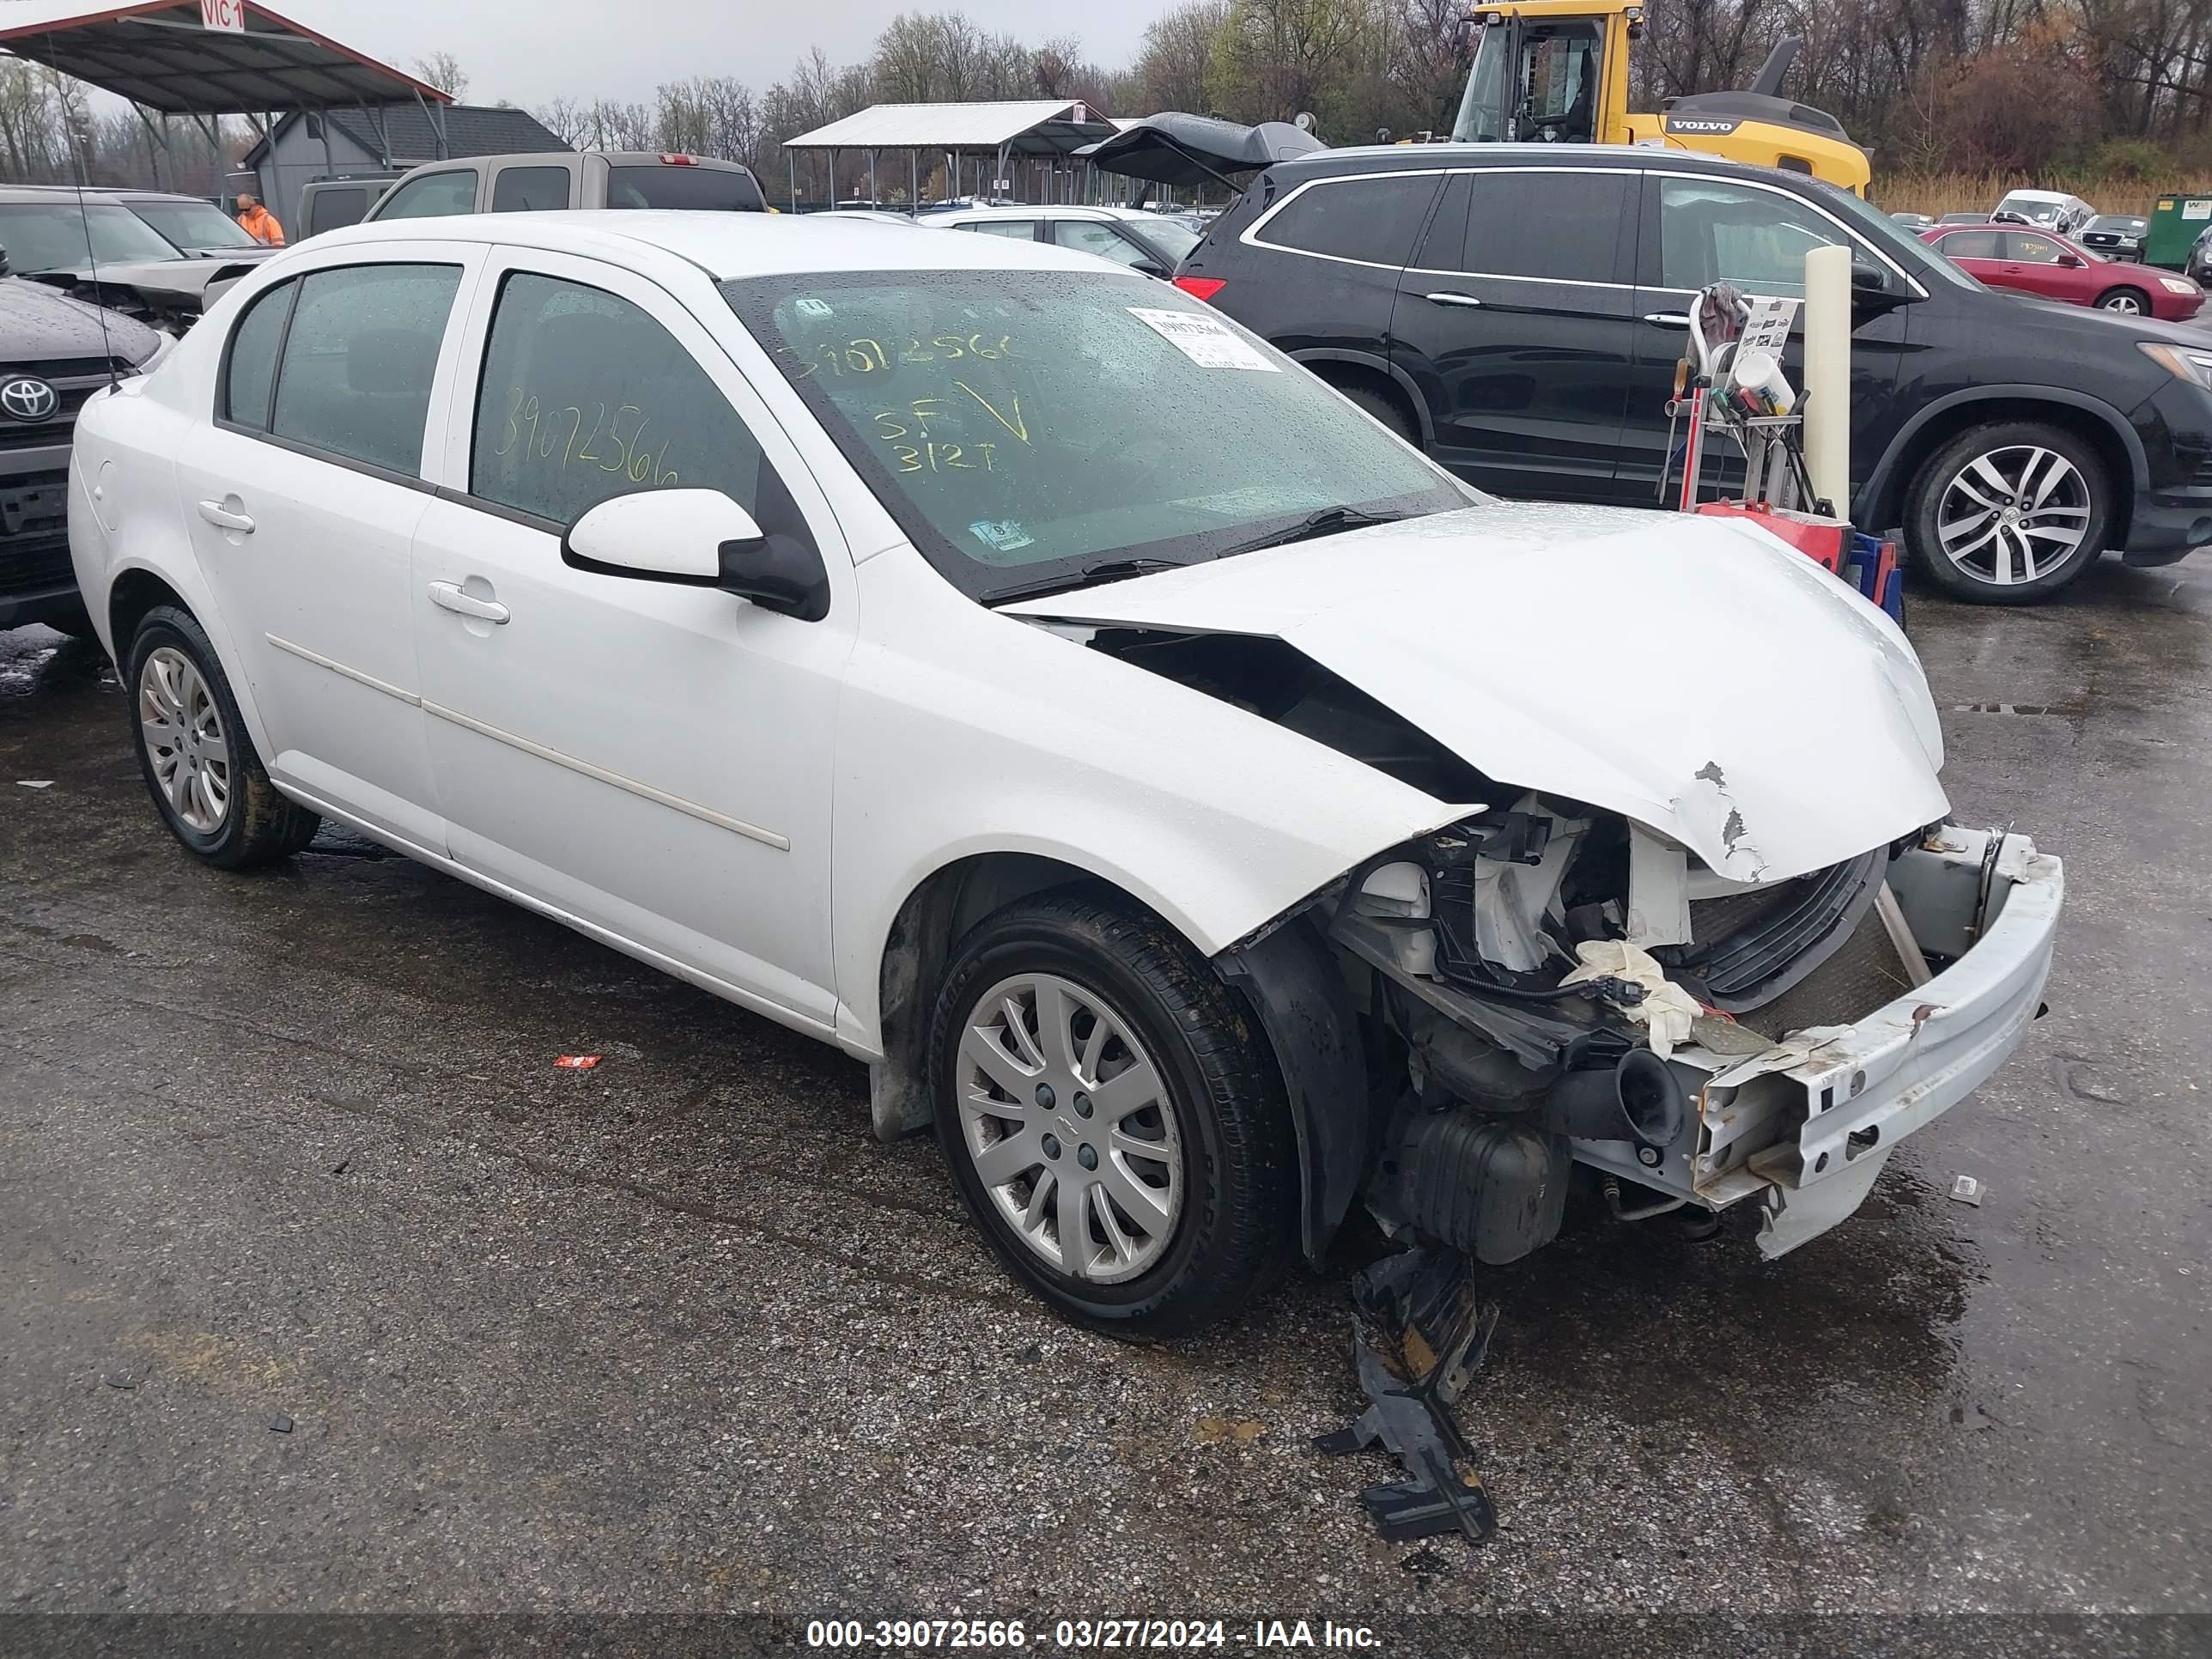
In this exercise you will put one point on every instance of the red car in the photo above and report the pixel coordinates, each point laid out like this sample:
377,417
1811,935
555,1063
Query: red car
2051,268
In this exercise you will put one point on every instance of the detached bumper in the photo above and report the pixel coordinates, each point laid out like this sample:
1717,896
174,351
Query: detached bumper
1806,1125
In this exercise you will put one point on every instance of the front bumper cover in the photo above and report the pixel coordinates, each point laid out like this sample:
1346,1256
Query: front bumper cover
1804,1126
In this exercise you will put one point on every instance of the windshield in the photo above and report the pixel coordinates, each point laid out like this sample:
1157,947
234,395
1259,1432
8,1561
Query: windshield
194,224
1891,238
1022,426
1482,110
54,235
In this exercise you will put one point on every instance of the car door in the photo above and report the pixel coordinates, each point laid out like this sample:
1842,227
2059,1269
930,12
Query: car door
302,495
1700,228
1976,253
650,760
1523,343
2033,263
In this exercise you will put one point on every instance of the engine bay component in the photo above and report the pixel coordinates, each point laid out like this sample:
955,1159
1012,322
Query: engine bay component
1493,1187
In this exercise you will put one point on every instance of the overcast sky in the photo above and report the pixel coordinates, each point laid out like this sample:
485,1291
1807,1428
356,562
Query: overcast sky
590,49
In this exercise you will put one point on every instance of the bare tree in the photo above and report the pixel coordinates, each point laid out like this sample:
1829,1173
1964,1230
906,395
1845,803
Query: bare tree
443,70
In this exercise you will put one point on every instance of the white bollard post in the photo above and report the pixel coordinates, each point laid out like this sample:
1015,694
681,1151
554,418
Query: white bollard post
1828,375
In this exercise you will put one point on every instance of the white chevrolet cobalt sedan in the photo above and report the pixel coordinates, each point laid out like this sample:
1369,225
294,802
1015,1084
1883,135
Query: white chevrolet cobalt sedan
1205,810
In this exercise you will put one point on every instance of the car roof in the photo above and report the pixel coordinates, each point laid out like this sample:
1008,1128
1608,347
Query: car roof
2039,195
622,158
52,192
724,245
1059,209
1376,158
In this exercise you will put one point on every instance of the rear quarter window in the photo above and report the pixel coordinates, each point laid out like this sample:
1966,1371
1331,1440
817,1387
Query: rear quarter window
1372,220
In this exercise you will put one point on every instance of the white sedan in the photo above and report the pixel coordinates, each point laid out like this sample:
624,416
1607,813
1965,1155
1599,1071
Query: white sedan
1205,810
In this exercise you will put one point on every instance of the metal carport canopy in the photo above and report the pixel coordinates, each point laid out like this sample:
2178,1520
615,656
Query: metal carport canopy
158,54
1034,126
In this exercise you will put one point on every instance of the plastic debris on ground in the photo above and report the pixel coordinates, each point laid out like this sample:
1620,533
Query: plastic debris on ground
1667,1011
122,1379
1967,1190
1421,1336
280,1424
34,783
577,1062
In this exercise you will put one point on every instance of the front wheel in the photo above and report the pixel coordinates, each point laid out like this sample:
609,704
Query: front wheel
2127,301
2010,513
1111,1117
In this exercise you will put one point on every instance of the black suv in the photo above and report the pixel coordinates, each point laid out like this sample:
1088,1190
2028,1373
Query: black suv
1518,310
55,352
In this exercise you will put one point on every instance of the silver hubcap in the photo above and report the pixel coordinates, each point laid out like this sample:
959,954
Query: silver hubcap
2014,514
183,733
2125,303
1069,1128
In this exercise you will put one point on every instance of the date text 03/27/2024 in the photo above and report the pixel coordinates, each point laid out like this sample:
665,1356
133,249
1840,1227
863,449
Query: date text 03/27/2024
1013,1635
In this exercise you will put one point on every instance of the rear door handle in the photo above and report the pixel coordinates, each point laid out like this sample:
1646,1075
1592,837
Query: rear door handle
448,596
216,514
1669,318
1451,299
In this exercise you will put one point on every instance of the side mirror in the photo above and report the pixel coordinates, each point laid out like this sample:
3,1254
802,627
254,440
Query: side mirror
5,266
2072,261
1868,279
1151,268
699,538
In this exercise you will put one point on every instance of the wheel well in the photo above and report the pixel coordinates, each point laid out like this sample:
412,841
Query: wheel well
1946,426
935,917
135,594
1345,376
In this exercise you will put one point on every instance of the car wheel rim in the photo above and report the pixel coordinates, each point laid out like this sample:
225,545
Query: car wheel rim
1067,1122
2012,514
2126,303
182,730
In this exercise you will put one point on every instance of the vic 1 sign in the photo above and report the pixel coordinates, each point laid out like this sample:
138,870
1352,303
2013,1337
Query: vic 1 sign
223,15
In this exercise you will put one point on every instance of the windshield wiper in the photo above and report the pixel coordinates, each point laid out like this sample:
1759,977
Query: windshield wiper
1099,570
1323,521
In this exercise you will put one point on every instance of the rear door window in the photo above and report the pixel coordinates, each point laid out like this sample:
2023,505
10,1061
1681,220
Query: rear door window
530,190
359,358
1969,244
1372,220
645,184
1586,218
1020,230
434,195
585,396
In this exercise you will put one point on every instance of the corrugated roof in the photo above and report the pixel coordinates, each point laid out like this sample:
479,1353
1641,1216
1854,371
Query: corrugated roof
408,134
1030,126
154,52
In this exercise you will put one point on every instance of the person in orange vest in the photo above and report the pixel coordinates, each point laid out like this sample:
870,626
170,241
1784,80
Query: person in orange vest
257,222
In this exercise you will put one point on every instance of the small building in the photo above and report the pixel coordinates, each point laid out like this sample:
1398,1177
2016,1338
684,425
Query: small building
309,144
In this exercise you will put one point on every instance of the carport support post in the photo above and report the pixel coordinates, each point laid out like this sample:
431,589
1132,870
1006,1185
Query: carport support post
873,199
792,156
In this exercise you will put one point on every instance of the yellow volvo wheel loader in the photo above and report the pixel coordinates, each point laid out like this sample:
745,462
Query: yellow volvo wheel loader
1557,71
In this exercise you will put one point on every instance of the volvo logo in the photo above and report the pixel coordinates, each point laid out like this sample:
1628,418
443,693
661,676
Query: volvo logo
28,398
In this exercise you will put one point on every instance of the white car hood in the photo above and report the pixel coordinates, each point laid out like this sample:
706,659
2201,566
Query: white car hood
1695,675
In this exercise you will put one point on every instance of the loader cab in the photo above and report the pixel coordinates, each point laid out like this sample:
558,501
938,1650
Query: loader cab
1545,79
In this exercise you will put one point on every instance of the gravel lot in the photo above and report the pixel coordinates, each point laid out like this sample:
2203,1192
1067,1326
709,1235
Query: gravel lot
676,1335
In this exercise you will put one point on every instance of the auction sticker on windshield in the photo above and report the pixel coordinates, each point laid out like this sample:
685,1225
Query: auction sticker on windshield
1206,341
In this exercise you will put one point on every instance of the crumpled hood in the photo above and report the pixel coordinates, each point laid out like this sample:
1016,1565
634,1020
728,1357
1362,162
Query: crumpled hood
39,322
1696,675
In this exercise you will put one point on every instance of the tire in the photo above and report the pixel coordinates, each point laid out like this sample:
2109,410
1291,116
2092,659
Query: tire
195,753
1386,409
2004,464
2129,301
1197,1232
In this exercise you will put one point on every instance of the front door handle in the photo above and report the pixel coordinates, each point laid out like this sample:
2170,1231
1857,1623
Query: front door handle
448,596
1669,318
1449,298
226,517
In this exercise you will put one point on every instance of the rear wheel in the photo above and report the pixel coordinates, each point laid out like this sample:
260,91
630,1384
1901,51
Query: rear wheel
2127,301
1386,409
1113,1122
193,750
2010,513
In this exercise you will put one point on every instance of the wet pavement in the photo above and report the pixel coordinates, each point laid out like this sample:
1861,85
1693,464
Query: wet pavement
675,1333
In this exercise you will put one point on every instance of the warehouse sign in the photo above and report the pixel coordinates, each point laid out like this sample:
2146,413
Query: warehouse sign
223,15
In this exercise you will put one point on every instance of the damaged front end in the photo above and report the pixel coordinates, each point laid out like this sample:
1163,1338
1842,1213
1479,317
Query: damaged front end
1548,984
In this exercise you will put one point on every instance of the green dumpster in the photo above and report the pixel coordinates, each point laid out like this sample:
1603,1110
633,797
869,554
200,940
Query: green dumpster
2175,224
